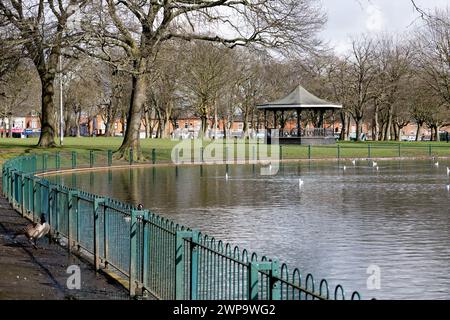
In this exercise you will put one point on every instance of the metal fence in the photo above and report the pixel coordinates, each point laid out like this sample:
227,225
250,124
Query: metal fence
149,252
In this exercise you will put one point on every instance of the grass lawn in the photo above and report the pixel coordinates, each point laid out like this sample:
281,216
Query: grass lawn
10,148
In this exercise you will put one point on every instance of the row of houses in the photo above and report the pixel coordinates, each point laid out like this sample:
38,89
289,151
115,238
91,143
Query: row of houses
186,128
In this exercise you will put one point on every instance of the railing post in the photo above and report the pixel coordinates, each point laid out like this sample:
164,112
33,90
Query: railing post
52,202
78,224
91,158
72,211
309,152
22,193
146,248
135,215
74,159
36,201
369,151
179,263
338,152
176,156
34,163
430,152
194,265
44,162
253,268
153,155
57,161
13,187
97,202
110,158
131,156
275,288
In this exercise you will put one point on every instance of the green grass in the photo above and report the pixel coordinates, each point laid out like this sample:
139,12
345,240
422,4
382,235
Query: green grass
10,148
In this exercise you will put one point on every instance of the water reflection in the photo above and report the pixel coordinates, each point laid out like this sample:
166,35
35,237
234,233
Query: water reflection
335,227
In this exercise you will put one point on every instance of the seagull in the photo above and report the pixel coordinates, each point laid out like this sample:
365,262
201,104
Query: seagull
448,171
448,187
270,167
226,176
345,168
354,162
378,168
300,183
437,164
374,164
34,231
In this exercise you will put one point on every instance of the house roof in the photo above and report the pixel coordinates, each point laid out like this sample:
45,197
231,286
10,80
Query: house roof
299,98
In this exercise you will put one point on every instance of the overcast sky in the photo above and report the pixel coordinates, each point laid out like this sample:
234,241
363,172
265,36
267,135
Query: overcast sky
353,17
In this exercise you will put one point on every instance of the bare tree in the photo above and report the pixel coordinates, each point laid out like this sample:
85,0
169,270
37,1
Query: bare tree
432,56
42,27
84,93
360,78
141,27
18,98
392,61
9,49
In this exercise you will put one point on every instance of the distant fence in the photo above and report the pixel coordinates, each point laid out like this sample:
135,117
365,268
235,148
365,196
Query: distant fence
149,252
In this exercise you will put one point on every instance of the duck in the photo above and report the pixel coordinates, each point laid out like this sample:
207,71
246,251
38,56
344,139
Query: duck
34,231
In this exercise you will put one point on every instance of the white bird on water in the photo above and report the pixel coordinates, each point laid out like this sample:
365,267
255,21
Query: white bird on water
378,168
354,162
437,164
226,176
448,187
270,167
374,164
300,183
448,171
345,168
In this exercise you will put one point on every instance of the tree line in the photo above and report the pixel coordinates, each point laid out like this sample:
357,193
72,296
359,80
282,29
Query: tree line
141,60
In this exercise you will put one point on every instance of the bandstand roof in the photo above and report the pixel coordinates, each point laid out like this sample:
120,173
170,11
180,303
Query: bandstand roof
299,98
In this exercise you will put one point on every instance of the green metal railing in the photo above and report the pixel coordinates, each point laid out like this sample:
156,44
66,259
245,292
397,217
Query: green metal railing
150,252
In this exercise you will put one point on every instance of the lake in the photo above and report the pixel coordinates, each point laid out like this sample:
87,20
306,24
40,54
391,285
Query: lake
335,226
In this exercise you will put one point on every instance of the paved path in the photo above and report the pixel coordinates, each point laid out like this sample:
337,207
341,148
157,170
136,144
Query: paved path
27,273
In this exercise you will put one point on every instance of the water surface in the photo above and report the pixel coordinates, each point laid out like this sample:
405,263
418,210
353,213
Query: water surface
335,226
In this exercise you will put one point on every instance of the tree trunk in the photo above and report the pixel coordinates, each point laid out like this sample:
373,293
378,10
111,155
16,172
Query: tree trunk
48,113
131,139
204,121
376,131
216,120
418,131
147,125
108,128
344,132
359,124
245,124
387,135
165,133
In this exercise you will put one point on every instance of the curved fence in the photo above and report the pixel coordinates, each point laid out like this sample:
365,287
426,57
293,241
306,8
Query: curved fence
151,253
